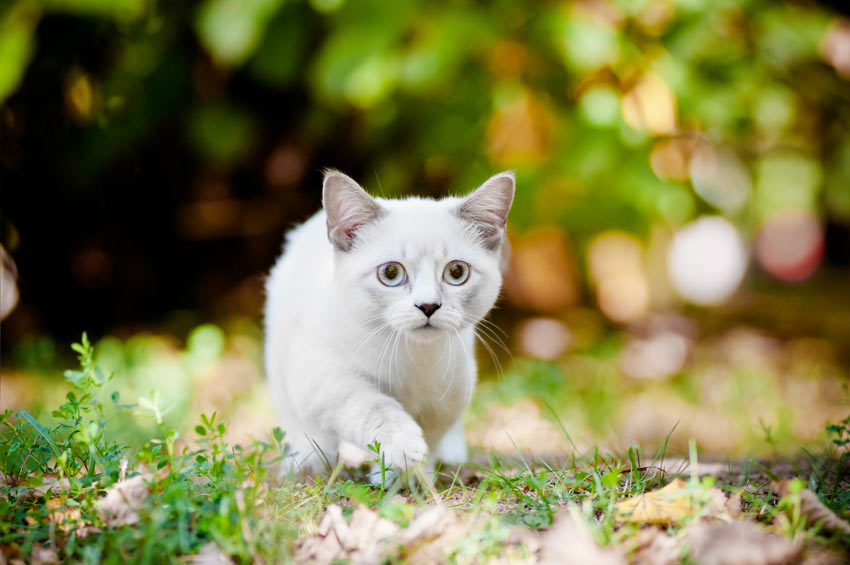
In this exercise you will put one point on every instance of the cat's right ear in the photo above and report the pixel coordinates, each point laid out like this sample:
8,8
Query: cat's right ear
348,208
487,208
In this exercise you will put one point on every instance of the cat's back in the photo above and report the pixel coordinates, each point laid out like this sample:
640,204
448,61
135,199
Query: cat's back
300,278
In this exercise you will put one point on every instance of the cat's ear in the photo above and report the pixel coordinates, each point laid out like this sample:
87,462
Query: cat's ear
487,208
348,208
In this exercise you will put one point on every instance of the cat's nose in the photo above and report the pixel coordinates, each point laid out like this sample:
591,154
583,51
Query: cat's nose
429,309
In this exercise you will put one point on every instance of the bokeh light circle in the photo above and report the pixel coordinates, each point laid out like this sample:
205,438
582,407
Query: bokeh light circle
720,178
707,261
790,245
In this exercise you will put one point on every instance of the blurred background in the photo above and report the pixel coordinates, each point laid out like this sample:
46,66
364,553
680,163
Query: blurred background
680,235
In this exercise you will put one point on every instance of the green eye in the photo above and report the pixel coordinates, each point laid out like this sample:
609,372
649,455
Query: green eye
391,274
456,273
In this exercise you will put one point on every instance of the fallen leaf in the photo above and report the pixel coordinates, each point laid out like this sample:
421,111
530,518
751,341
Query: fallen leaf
739,543
655,547
43,555
210,554
68,518
359,541
568,542
430,535
49,486
528,539
368,538
733,504
118,507
672,504
815,511
366,532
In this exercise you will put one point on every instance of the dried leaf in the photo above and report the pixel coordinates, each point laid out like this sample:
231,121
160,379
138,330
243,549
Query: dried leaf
210,554
655,547
359,541
118,507
813,509
428,524
569,542
50,486
671,504
67,518
43,555
739,543
733,504
368,538
427,539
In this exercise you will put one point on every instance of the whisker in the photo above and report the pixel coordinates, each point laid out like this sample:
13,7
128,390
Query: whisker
368,337
489,333
468,359
493,337
396,344
493,356
380,359
450,359
495,326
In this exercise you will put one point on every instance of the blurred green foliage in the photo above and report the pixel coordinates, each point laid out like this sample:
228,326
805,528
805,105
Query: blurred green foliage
445,92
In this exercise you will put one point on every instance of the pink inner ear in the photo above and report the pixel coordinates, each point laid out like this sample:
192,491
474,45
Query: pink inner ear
351,216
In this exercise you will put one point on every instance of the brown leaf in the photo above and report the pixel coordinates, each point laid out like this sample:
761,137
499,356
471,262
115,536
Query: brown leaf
569,542
51,486
118,507
427,539
359,541
210,554
815,511
368,538
43,555
67,518
739,543
655,547
733,504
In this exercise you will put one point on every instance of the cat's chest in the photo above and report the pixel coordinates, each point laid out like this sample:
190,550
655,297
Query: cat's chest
443,388
433,384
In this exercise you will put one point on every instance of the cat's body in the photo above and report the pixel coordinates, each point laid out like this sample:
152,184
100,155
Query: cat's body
369,335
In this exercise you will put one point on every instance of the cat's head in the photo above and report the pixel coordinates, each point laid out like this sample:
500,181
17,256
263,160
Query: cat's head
426,268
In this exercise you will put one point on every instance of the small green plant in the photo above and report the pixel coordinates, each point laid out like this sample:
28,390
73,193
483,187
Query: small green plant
789,513
840,435
381,463
57,476
828,482
200,493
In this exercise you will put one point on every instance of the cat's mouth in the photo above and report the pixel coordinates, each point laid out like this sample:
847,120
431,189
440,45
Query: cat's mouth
426,329
427,332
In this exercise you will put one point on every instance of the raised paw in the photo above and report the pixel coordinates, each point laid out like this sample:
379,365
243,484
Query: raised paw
402,442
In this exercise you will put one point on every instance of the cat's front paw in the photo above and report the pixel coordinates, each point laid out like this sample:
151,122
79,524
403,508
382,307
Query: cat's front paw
402,442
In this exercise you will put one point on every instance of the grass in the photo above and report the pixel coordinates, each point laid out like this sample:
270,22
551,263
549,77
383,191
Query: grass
67,490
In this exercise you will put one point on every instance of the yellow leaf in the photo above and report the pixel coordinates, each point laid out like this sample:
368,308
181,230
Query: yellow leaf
673,503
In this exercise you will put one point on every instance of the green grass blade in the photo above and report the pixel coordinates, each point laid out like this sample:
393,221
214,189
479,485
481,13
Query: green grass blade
40,429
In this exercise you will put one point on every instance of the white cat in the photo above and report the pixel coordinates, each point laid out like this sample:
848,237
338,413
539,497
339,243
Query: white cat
370,321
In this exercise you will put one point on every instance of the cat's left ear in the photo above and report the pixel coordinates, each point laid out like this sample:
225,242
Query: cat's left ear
348,208
487,208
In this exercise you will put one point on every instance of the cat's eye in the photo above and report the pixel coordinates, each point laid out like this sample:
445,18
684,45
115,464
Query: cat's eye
392,274
456,273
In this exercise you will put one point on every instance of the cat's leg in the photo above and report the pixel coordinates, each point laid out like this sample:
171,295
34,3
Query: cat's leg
352,409
452,446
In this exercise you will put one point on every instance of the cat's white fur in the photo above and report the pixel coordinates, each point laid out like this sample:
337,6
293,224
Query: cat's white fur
347,358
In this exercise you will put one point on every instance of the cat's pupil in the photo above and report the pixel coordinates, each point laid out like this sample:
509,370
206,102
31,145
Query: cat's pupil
456,271
391,272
